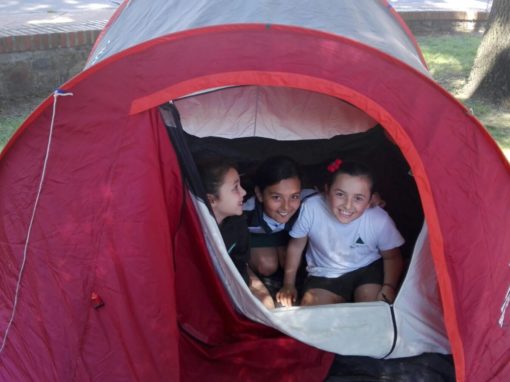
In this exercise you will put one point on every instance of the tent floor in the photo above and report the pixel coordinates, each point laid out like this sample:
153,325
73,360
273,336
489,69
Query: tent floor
428,367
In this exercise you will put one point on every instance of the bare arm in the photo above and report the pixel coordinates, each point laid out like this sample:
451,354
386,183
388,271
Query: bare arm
393,265
288,294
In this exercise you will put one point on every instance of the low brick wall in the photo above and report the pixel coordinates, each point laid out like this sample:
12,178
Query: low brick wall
35,65
445,22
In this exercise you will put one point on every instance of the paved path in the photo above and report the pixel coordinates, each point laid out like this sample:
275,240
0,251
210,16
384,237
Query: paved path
31,17
442,5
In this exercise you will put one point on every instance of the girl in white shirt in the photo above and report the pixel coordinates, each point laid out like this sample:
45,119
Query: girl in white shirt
353,250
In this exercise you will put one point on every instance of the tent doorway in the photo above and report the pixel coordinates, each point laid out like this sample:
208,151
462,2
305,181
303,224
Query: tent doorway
249,124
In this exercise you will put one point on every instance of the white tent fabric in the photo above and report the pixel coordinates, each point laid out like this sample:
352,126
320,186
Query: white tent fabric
270,112
366,21
418,312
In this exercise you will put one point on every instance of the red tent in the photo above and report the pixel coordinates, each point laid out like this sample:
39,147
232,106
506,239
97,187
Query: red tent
93,202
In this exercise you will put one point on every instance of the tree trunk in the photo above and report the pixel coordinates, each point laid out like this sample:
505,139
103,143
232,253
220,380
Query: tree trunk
490,76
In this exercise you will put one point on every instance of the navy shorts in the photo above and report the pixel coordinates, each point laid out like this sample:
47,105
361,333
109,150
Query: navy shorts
346,284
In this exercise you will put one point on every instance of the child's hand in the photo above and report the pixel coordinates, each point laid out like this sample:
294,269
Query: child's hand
386,294
287,295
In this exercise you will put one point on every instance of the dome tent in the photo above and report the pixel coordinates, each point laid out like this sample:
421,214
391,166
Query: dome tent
95,200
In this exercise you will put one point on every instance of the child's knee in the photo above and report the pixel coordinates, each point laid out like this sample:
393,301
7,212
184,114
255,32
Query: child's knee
366,293
320,297
264,266
308,299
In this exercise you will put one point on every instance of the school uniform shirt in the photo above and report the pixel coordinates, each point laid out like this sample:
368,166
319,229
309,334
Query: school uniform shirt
264,230
234,232
335,248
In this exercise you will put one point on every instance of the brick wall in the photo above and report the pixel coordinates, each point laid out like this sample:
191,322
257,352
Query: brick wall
35,65
445,21
13,44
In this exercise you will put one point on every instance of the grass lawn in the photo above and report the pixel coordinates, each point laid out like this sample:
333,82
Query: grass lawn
12,116
449,58
7,126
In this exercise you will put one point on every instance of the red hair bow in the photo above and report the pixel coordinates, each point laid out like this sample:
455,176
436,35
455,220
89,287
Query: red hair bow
334,166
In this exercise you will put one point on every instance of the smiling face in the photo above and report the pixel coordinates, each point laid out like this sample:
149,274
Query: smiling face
229,198
349,196
281,200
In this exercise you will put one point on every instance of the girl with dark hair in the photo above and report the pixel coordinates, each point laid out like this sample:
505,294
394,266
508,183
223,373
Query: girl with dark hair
270,215
225,194
272,212
353,250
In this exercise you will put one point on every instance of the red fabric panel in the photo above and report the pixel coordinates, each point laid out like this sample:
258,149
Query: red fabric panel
258,359
134,336
105,223
111,220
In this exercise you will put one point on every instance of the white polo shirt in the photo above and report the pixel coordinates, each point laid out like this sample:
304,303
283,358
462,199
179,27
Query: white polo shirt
335,248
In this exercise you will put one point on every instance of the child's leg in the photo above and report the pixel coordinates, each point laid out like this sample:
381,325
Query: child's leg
259,290
366,292
368,282
325,290
264,260
281,253
320,297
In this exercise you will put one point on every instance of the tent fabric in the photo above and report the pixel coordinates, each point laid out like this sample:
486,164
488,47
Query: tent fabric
75,250
278,113
116,232
364,21
107,220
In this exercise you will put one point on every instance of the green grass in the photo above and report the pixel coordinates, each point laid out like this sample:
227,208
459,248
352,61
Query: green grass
12,115
8,126
450,58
